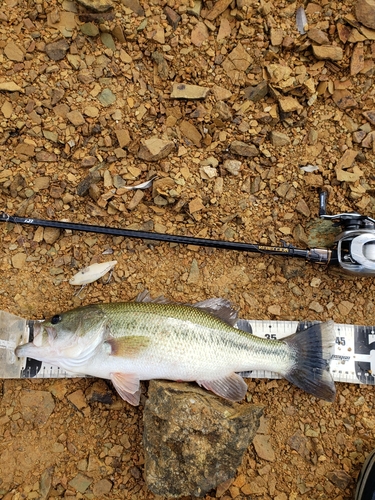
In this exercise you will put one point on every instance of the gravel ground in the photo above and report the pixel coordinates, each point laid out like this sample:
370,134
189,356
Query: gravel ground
92,103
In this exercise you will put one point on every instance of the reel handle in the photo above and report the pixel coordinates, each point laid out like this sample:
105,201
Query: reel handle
323,196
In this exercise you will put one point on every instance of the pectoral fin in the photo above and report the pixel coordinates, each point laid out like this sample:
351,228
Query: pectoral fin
232,387
127,347
127,385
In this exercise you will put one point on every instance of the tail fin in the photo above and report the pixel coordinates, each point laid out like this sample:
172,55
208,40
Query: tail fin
313,349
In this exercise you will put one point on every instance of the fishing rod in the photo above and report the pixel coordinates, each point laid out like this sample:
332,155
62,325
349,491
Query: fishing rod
353,251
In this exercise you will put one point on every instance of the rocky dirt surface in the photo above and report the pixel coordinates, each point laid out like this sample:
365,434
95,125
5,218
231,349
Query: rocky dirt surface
242,118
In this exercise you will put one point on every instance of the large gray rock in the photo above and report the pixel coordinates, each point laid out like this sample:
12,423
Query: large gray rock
97,5
193,440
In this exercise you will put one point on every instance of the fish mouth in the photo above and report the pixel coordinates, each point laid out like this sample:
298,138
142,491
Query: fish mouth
28,349
25,350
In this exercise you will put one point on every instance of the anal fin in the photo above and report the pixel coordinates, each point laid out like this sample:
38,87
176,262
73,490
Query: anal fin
232,387
128,387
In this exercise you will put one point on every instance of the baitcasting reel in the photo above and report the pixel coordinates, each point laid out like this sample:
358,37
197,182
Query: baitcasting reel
355,246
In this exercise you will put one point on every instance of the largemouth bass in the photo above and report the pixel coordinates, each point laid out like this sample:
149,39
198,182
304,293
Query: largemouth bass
143,340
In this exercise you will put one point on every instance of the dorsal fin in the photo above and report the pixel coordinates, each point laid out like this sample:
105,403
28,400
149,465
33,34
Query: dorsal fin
221,308
244,325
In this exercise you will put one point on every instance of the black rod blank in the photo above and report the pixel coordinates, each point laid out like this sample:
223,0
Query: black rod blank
314,255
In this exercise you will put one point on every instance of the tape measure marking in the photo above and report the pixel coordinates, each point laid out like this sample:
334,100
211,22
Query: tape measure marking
7,344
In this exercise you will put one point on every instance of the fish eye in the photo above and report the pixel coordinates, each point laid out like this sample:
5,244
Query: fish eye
55,319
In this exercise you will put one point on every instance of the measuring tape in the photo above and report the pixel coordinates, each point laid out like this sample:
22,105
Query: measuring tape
353,360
